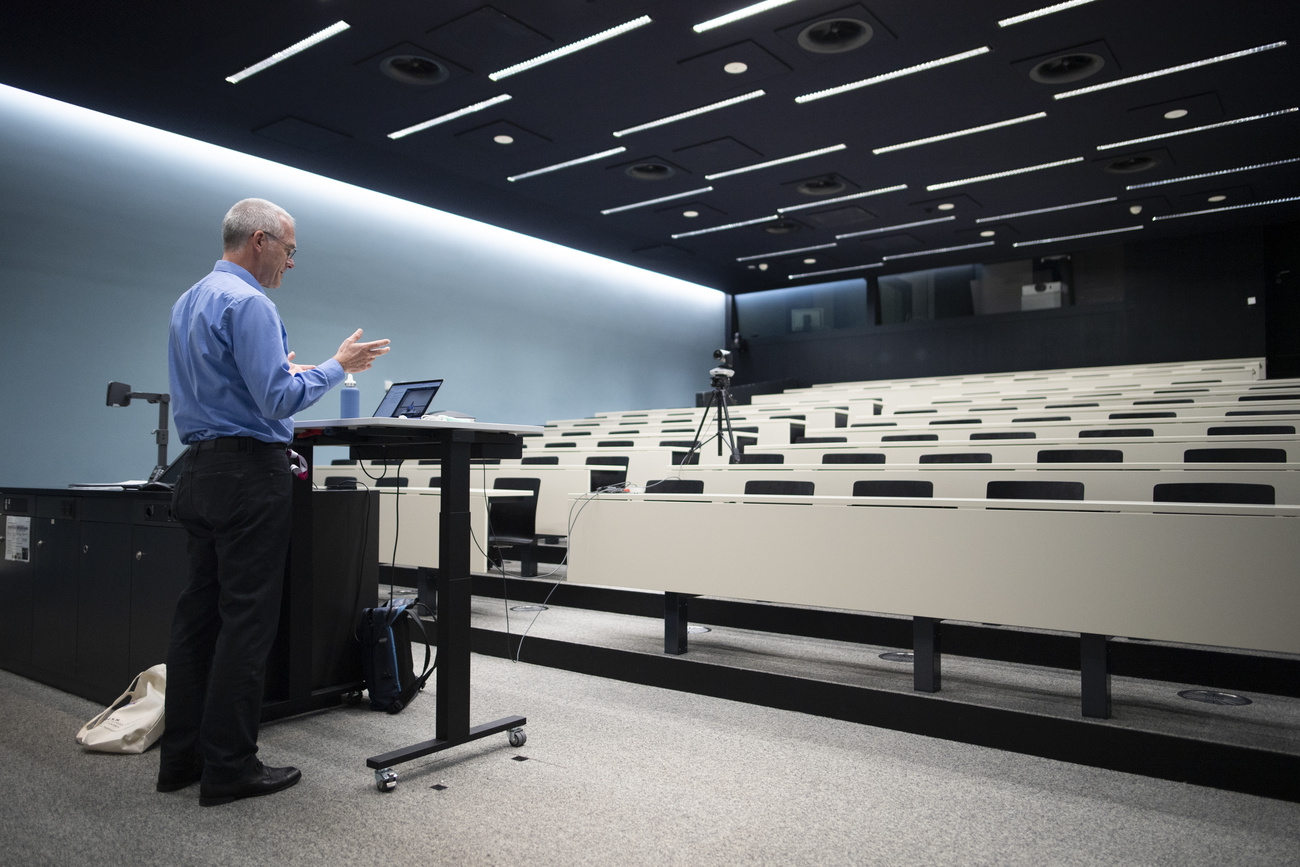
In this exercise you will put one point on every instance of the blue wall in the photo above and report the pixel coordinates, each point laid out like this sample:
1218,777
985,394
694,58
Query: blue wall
103,223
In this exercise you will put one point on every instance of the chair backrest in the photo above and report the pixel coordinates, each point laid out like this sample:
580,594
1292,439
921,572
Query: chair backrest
821,439
853,458
341,483
514,516
540,459
779,486
435,482
615,444
675,486
568,445
1214,492
608,460
1234,456
893,488
1004,489
1080,456
392,482
1253,430
762,458
957,458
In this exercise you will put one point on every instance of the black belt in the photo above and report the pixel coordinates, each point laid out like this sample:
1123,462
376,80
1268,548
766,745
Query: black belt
235,444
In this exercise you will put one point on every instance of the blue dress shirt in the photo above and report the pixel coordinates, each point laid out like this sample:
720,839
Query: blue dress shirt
228,363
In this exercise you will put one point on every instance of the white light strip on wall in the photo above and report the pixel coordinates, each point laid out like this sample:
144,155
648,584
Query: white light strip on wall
946,184
564,165
786,252
756,166
1227,208
889,76
892,189
1169,71
318,37
944,137
1212,174
1039,13
939,250
892,228
1075,237
739,14
1045,210
460,112
1133,141
698,192
692,113
570,48
835,271
728,226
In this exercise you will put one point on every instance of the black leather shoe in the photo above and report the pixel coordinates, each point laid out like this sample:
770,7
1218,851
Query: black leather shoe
172,782
263,781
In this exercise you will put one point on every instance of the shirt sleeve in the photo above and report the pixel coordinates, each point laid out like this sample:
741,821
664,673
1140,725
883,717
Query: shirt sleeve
260,348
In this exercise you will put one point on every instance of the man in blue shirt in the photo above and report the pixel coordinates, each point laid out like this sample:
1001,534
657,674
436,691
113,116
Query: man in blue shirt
234,390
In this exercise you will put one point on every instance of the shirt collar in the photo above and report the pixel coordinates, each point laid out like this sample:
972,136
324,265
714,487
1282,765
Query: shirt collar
239,271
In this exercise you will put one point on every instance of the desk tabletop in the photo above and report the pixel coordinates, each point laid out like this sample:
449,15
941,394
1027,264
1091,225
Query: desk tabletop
412,425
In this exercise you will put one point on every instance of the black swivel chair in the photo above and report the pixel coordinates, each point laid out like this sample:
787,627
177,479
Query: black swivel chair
513,524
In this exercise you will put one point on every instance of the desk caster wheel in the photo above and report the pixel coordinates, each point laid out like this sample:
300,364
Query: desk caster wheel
352,698
385,779
517,737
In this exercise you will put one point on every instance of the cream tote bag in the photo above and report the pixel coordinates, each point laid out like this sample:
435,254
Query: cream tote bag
133,722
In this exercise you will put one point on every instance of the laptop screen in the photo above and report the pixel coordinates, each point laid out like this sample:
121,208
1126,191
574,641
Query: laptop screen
408,399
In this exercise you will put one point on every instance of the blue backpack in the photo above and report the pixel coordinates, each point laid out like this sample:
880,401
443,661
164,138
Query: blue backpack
386,664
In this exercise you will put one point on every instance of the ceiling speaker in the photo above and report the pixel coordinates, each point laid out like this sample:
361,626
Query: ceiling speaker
412,69
649,171
1130,165
827,186
1067,67
784,227
835,35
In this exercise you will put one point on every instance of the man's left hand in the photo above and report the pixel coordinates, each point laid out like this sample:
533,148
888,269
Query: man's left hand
298,368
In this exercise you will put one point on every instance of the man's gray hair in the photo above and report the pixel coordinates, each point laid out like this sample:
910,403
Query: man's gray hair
249,216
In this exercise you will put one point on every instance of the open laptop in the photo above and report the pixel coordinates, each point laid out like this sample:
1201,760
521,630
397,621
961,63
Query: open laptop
408,399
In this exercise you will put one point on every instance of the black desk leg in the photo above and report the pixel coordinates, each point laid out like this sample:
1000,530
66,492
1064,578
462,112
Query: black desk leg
1094,672
927,654
676,622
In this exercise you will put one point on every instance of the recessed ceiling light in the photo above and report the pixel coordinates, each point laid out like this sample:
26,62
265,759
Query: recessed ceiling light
460,112
1218,198
1076,237
1135,209
1039,13
570,48
824,202
946,184
938,250
836,271
567,163
1228,208
692,113
1045,210
1169,71
724,228
810,261
987,233
1175,113
785,252
503,139
892,228
302,45
898,73
958,133
701,191
776,162
1214,174
1189,130
762,266
946,206
739,14
735,67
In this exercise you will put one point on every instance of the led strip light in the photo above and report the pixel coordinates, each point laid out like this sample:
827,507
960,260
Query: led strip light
692,113
939,250
461,112
1039,13
847,198
564,165
728,226
835,271
1163,135
1168,71
1046,210
780,253
1228,208
889,76
648,202
298,47
777,162
570,48
739,14
1076,237
1212,174
892,228
946,184
949,135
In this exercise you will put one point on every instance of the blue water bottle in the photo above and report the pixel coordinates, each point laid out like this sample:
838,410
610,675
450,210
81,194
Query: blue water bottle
349,399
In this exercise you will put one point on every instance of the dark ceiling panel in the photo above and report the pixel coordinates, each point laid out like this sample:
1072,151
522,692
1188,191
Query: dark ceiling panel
331,109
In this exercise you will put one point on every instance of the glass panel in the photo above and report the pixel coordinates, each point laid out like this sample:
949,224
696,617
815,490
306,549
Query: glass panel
802,309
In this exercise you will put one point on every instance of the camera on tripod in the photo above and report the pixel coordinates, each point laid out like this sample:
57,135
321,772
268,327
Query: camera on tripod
721,375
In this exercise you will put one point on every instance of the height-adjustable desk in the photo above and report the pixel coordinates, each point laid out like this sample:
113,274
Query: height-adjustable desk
454,444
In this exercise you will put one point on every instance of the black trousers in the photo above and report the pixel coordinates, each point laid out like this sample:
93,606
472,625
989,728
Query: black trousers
236,507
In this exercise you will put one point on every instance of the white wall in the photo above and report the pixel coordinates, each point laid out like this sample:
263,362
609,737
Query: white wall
104,223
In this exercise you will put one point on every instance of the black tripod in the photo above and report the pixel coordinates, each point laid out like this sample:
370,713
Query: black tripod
720,380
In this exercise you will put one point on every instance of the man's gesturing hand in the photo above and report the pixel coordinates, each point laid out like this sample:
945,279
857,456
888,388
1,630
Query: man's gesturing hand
356,357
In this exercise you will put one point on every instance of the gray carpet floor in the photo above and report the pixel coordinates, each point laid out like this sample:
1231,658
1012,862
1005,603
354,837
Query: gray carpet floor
612,773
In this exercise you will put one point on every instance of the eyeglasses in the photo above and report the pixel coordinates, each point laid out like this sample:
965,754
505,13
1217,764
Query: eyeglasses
291,250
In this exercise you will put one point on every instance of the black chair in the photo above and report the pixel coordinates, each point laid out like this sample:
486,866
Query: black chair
786,487
762,458
435,482
340,483
513,524
893,488
675,486
392,482
1214,492
540,459
568,445
1080,456
605,478
957,458
853,458
1005,435
1234,456
1033,490
615,444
